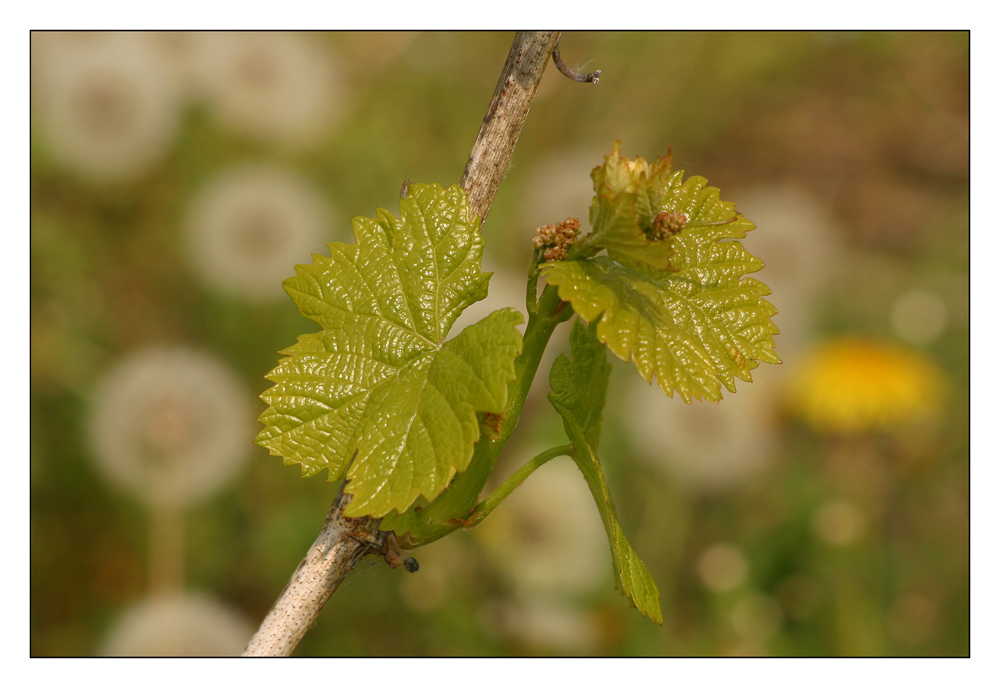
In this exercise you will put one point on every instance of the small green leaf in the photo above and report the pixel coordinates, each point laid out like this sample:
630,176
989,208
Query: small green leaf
580,387
578,392
379,384
694,326
628,194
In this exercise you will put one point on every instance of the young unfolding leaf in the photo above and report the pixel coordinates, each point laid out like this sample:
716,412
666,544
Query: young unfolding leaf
578,392
694,325
628,195
379,383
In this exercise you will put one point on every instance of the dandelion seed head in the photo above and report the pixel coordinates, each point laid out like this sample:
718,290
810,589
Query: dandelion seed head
109,104
248,228
547,537
704,447
178,625
170,425
278,87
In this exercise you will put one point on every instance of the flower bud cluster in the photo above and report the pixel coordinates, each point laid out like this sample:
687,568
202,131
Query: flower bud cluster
554,239
667,224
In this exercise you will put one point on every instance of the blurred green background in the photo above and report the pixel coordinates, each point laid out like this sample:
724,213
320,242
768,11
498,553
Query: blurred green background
177,178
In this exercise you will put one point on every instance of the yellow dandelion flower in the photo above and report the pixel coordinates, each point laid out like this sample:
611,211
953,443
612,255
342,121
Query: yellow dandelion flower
854,385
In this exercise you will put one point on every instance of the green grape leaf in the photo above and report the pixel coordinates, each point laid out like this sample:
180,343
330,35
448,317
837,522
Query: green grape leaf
378,396
628,195
694,326
578,392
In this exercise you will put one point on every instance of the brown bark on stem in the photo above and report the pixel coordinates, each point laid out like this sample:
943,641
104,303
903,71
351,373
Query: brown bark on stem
505,116
341,544
344,541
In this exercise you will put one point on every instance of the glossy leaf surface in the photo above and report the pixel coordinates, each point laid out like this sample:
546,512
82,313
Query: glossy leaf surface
695,326
379,384
578,393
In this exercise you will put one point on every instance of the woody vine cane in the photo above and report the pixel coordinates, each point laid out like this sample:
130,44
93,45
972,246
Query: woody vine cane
343,541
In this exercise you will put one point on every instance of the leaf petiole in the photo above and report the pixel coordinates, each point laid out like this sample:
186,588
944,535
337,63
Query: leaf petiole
491,502
531,293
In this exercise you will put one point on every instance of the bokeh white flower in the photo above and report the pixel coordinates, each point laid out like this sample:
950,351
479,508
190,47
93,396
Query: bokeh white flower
248,228
177,48
722,567
702,446
178,625
278,87
545,625
109,104
547,537
170,425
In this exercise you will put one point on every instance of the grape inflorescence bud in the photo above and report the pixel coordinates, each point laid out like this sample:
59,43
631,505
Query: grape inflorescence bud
553,240
667,224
